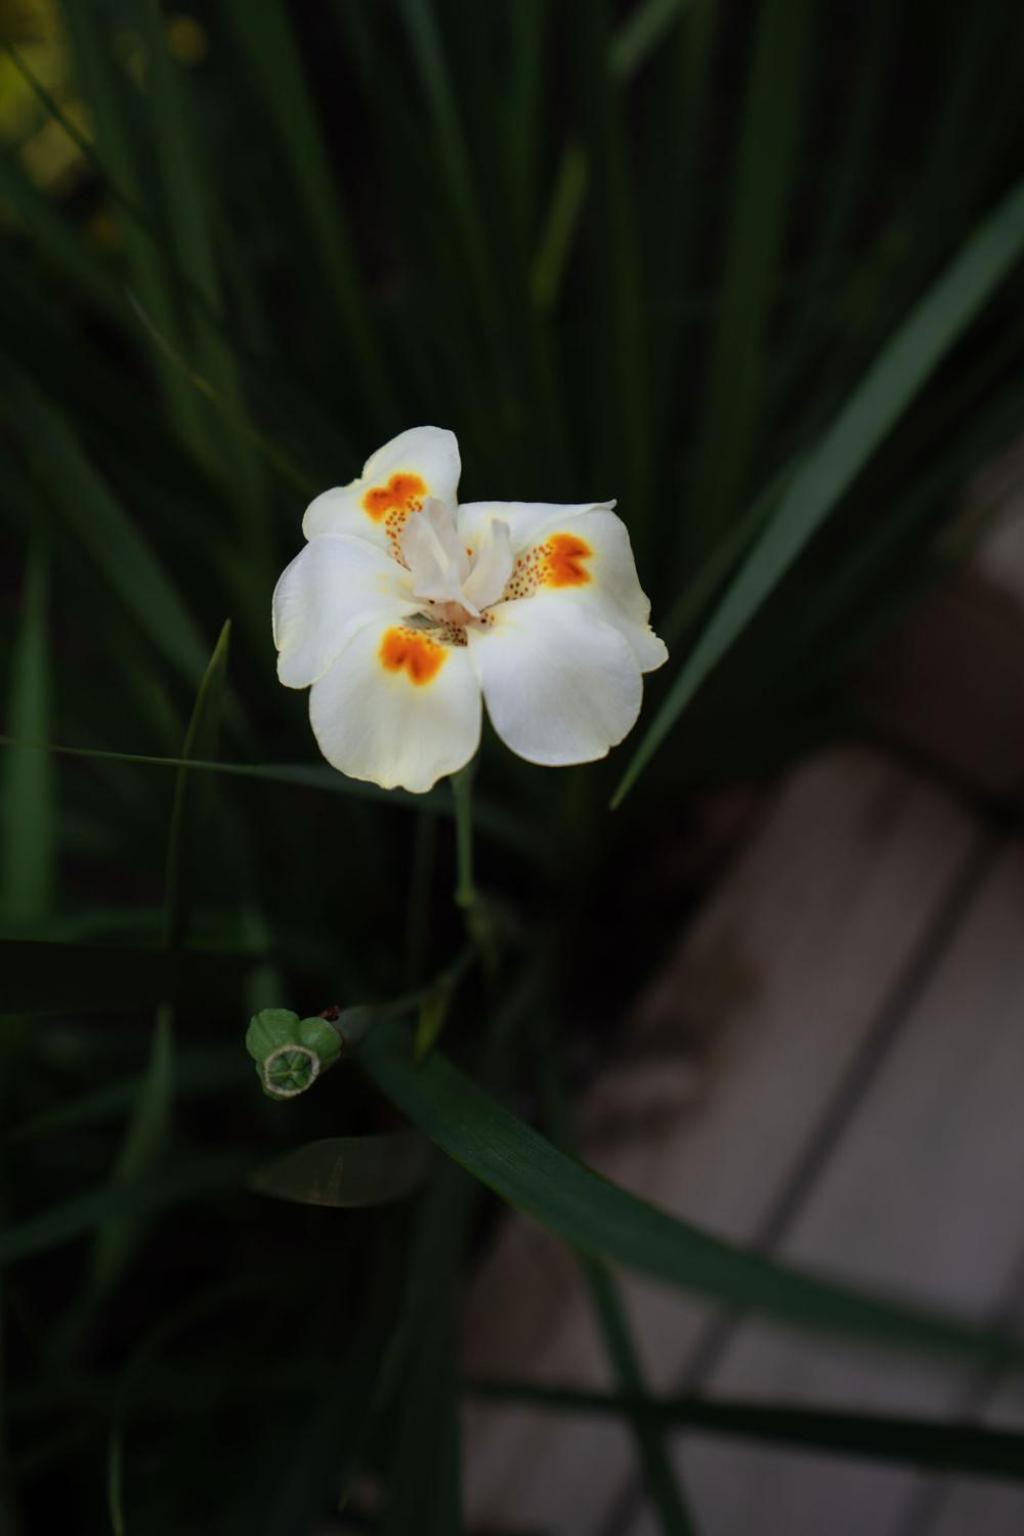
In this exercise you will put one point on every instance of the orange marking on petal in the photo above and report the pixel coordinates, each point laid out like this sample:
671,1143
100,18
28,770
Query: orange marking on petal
564,555
403,493
411,651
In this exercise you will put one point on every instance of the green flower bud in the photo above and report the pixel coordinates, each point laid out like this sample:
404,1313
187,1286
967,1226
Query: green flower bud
289,1052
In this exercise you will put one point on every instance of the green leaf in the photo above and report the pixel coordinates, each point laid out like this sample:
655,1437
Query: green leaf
597,1217
28,860
951,1447
42,977
826,472
347,1172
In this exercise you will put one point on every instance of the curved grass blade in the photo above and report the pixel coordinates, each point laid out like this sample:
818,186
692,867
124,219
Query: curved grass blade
600,1219
502,825
347,1172
827,470
951,1447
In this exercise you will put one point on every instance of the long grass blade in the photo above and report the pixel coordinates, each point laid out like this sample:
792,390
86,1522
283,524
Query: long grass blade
609,1310
149,1129
619,356
88,507
505,826
106,89
272,452
424,1492
828,469
562,218
200,739
927,1443
763,185
639,34
428,52
265,37
28,859
189,221
57,240
598,1218
144,1142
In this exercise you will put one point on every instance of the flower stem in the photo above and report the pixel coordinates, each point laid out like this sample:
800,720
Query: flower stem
480,919
466,894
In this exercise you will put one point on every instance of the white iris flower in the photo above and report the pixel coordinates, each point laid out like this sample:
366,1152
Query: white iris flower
406,611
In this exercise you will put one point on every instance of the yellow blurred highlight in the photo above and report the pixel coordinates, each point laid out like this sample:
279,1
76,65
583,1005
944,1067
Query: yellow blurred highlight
187,39
48,155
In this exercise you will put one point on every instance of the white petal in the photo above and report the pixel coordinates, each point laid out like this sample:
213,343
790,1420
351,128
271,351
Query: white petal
397,479
374,720
561,685
588,562
492,567
525,519
331,586
615,585
436,558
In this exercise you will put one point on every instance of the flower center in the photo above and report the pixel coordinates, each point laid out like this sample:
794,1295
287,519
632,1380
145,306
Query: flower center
456,584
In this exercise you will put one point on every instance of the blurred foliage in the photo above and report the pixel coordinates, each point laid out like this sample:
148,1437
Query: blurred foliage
749,269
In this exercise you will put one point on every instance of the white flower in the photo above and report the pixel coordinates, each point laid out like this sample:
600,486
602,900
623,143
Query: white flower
405,610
